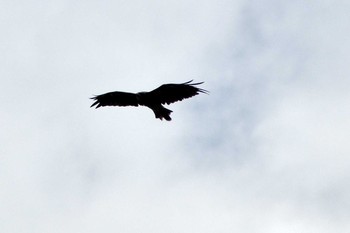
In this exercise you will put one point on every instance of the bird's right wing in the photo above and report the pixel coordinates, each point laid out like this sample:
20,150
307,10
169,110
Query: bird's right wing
116,98
170,93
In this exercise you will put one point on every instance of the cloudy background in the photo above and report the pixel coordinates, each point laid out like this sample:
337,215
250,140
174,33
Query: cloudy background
266,151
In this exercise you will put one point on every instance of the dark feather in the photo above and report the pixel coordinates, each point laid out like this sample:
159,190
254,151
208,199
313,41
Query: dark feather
116,98
170,93
165,94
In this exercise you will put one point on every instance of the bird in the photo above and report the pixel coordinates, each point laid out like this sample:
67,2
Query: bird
155,99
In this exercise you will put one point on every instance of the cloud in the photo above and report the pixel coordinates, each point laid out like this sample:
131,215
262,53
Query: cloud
266,151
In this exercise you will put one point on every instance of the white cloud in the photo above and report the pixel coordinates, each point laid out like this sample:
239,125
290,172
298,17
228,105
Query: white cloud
266,151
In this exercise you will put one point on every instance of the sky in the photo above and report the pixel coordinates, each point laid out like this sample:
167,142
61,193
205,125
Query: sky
266,151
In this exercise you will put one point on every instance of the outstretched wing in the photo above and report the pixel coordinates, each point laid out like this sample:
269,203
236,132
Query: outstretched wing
170,93
116,98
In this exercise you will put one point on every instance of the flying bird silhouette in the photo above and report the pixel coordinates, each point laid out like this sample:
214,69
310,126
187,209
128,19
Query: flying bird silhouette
165,94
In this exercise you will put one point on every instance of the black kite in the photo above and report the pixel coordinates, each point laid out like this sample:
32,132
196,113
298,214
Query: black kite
165,94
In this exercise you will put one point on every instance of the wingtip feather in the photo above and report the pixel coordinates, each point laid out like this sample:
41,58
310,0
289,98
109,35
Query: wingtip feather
198,89
96,102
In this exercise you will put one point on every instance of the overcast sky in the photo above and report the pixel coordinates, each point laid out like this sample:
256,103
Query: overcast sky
267,151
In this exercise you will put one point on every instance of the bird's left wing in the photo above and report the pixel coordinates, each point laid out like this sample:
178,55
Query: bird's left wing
170,93
116,98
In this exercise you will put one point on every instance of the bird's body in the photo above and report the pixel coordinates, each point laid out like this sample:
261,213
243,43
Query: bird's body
165,94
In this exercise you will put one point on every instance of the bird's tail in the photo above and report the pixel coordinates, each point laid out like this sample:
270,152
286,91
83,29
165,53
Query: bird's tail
161,112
